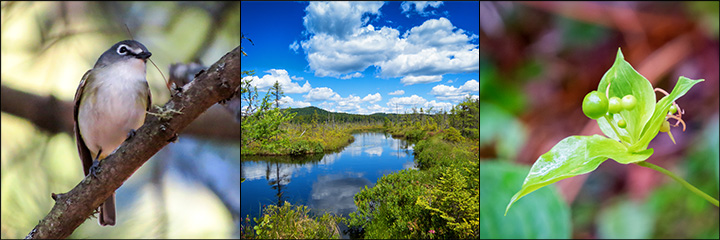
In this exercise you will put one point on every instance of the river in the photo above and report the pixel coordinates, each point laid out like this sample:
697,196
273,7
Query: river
323,182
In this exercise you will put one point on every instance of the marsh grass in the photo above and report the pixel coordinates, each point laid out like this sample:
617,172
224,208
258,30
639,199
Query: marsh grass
290,222
301,139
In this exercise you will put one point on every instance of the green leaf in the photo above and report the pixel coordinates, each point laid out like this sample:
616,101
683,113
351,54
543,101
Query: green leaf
573,156
624,80
663,106
544,215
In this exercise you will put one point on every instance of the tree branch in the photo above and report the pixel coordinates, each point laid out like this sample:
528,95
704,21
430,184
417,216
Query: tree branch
73,208
55,116
47,113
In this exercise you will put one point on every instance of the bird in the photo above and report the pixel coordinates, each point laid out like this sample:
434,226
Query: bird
111,102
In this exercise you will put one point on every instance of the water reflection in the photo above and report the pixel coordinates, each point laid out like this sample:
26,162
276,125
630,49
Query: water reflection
324,182
334,193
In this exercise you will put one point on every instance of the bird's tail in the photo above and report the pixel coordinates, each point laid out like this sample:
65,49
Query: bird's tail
107,212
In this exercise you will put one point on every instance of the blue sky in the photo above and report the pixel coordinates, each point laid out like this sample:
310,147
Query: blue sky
364,57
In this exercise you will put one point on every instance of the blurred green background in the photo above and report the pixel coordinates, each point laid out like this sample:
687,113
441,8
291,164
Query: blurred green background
537,62
190,189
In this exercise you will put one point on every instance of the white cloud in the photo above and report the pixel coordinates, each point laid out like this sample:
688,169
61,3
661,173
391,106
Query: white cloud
297,78
430,61
355,75
375,109
329,106
320,94
374,151
438,49
444,92
411,101
398,92
295,46
471,86
281,76
341,42
419,7
349,103
439,33
331,56
372,98
438,106
410,80
289,102
339,19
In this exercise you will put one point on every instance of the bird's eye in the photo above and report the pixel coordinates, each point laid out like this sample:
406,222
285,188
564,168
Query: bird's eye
122,50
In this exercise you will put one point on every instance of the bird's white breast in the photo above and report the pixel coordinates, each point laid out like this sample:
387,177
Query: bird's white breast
116,108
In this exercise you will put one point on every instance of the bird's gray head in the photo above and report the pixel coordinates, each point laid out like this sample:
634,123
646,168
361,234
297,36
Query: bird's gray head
123,51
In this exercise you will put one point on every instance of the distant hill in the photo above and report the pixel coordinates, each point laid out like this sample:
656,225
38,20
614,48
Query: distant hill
309,111
305,115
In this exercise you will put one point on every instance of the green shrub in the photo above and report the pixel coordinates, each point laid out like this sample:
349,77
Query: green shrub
453,135
301,147
433,152
471,133
438,201
294,222
416,133
388,210
454,203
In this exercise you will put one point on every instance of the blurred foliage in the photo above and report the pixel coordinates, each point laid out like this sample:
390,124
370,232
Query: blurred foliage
682,216
708,13
626,219
705,156
576,34
499,127
503,92
544,214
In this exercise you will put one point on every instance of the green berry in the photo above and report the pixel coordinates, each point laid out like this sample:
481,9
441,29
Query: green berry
665,126
629,102
614,105
673,109
622,123
595,105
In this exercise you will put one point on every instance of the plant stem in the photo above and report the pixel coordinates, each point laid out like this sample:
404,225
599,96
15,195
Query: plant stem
683,182
617,133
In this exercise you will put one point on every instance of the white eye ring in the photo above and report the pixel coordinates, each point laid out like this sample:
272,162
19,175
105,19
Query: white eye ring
123,49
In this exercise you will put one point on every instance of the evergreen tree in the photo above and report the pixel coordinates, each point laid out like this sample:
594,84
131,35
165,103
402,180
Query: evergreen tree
314,119
277,92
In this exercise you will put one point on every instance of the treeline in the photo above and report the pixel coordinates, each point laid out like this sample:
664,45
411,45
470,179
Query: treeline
464,116
314,114
463,121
